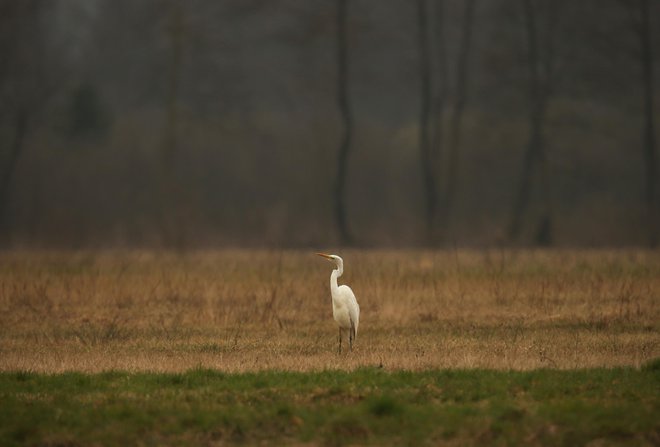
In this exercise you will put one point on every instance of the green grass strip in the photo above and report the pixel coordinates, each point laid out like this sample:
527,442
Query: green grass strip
367,406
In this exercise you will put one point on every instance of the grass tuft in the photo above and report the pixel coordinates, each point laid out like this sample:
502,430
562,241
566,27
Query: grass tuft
383,406
652,365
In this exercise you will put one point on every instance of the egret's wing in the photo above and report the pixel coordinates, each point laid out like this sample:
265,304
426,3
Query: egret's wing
353,306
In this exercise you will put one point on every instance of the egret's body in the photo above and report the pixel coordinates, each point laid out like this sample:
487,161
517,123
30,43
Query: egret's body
345,308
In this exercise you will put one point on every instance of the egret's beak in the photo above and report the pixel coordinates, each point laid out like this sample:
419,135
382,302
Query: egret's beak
325,256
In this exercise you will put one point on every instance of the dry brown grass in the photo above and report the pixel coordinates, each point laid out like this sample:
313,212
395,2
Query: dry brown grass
252,310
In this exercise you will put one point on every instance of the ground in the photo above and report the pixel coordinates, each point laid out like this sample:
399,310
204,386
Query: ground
225,347
249,310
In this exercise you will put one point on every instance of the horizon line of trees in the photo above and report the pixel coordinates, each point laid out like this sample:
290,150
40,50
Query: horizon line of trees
143,95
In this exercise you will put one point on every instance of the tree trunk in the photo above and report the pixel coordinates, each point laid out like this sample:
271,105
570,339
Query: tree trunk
650,157
439,70
426,151
462,72
20,132
347,123
535,151
172,217
176,50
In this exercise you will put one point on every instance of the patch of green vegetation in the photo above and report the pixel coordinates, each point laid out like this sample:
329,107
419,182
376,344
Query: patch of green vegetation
367,406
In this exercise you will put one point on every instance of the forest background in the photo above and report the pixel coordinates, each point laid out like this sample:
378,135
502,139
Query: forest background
293,124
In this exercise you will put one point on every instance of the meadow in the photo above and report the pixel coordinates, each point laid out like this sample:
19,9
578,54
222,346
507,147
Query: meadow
617,406
239,346
249,310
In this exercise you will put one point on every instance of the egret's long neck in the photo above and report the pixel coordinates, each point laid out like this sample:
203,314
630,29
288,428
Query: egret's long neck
334,287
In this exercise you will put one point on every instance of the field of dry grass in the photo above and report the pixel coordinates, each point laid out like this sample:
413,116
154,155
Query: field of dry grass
253,310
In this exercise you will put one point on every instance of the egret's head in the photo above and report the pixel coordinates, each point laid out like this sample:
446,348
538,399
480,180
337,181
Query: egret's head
339,262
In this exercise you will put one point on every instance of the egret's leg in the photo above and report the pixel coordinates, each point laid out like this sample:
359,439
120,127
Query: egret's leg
351,336
340,340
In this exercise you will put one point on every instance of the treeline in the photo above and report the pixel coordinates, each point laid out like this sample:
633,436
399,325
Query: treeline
287,123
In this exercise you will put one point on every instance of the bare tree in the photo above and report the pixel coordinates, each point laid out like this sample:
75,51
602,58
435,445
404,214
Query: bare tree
9,166
460,99
175,31
439,81
440,176
26,84
347,122
540,66
426,149
172,203
650,155
640,17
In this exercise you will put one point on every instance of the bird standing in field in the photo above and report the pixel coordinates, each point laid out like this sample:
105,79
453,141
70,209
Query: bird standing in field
345,308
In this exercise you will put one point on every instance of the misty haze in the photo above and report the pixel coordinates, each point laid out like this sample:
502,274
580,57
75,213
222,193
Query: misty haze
283,124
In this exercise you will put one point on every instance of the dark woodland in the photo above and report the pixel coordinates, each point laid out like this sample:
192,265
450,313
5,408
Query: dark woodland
286,123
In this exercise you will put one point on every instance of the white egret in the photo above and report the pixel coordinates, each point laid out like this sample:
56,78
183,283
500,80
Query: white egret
345,308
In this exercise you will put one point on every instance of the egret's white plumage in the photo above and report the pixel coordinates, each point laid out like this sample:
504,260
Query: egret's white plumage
345,308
